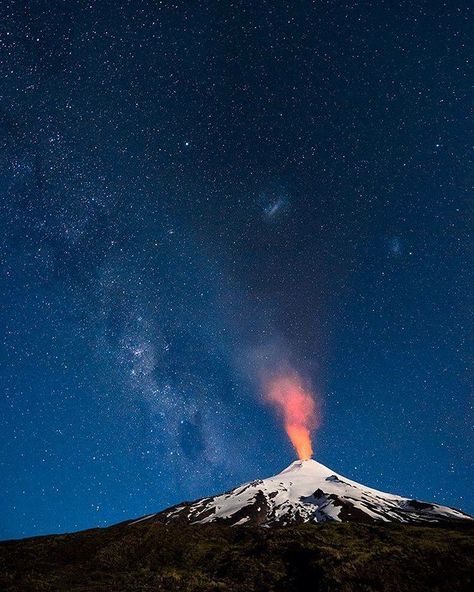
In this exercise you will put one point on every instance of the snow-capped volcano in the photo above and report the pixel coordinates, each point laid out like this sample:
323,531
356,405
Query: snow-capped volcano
306,491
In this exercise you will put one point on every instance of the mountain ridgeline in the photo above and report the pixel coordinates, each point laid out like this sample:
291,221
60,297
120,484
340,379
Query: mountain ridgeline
306,491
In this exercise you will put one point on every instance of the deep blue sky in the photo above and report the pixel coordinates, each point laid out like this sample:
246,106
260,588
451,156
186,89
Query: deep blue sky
187,187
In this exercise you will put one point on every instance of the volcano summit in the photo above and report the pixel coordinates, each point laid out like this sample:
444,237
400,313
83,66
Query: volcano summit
306,491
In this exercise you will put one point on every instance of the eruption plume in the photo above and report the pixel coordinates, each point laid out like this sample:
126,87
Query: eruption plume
295,403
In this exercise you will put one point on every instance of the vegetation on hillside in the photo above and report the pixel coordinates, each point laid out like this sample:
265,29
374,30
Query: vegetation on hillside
150,557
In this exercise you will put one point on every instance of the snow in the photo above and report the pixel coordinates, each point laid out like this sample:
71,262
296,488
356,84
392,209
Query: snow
307,491
144,518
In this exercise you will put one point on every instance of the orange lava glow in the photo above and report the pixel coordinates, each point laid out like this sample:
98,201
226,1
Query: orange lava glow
296,405
301,440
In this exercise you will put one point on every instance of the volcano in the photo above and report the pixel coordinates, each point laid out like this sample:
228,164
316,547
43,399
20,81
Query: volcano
306,528
306,491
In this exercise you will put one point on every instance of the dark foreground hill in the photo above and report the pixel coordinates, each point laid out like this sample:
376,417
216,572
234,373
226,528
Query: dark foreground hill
150,556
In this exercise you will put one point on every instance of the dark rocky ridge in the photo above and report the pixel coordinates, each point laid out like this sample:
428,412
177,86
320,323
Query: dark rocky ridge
332,557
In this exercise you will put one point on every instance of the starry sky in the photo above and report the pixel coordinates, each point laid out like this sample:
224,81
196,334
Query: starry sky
191,190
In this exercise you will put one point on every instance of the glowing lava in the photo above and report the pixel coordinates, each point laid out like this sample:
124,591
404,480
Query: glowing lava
296,405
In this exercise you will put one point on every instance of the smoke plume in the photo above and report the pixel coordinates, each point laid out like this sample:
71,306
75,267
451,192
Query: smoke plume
295,403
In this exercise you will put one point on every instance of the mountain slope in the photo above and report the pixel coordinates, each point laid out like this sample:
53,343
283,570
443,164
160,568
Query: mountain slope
332,557
306,491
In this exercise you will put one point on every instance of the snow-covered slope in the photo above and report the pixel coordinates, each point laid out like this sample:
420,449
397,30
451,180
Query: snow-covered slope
306,491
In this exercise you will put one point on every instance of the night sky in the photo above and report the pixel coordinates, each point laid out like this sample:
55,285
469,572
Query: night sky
192,191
